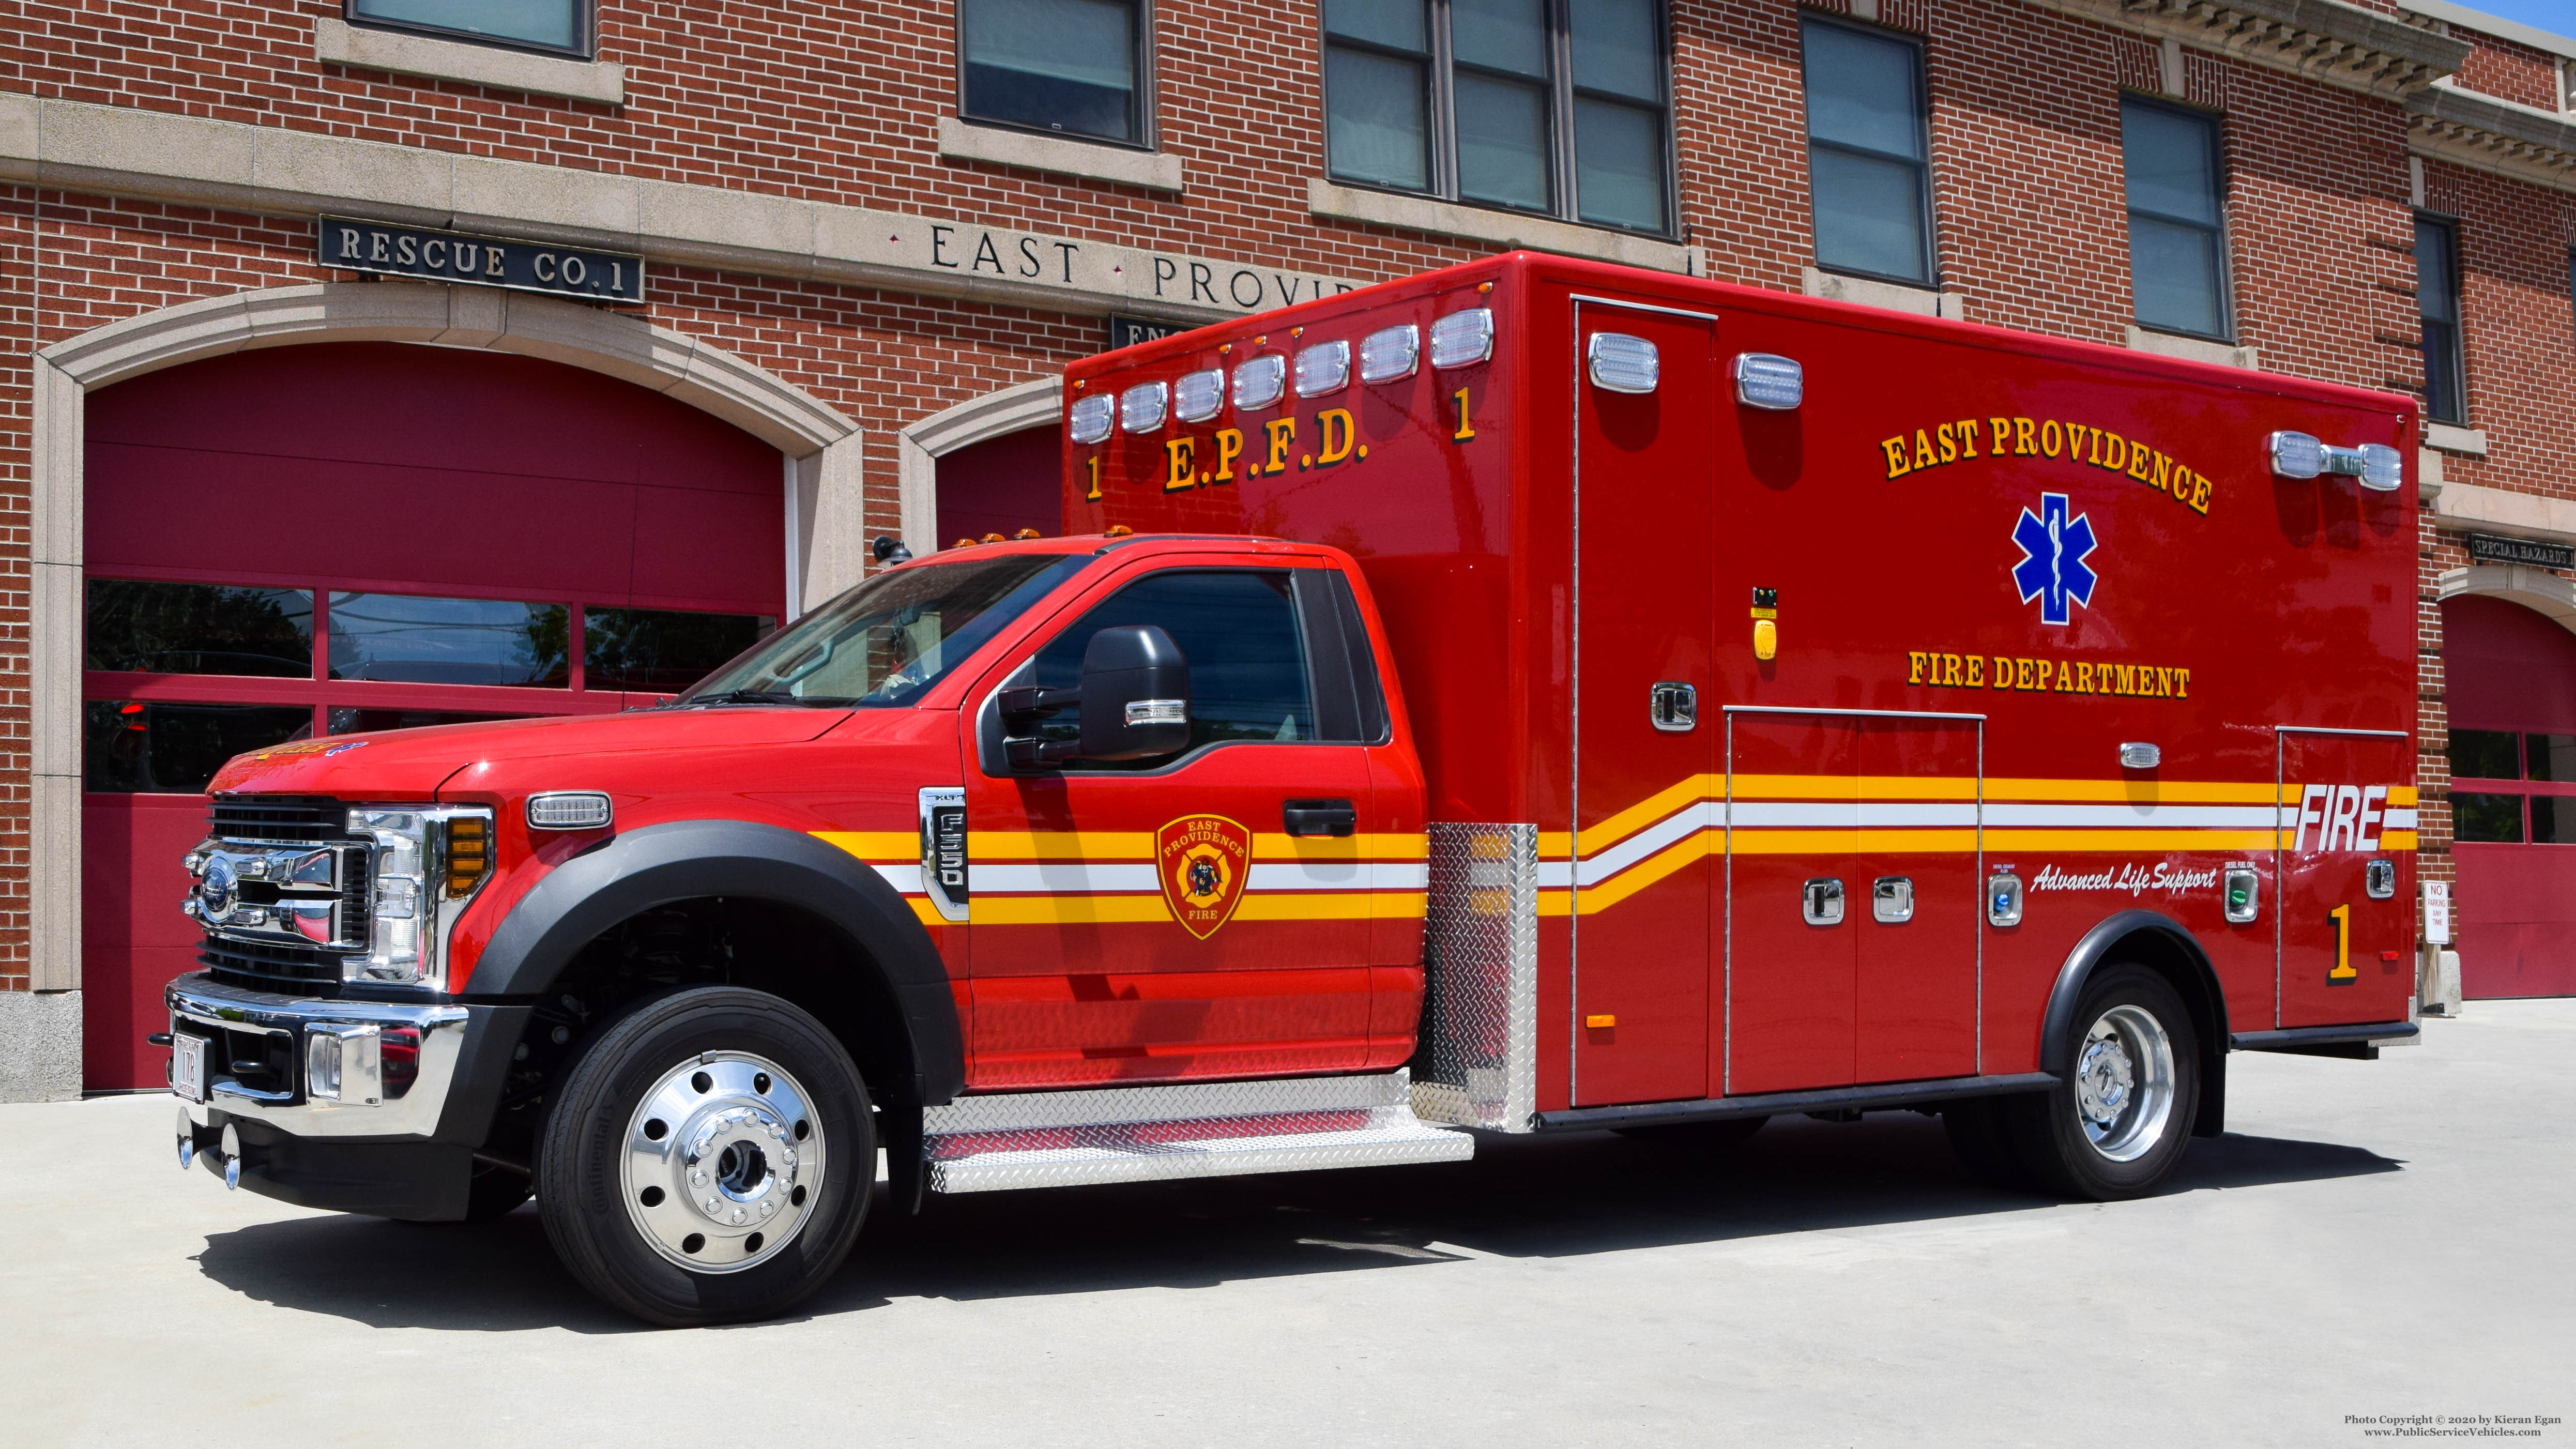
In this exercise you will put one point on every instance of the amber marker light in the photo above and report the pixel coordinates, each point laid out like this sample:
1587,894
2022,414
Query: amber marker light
1025,533
1766,639
469,854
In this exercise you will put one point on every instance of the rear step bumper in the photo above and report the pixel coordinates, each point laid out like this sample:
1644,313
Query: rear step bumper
1145,1134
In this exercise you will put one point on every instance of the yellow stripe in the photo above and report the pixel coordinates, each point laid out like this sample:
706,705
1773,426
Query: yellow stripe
2159,842
885,845
1688,792
2401,796
2398,840
927,913
1118,845
1650,870
1128,909
2151,792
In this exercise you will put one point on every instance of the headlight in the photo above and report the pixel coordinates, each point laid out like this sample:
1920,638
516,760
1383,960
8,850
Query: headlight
426,862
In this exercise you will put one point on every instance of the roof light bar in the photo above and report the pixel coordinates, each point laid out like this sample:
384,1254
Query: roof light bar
1140,408
1257,383
1621,363
1092,417
1462,339
1322,368
1198,395
1771,383
1390,353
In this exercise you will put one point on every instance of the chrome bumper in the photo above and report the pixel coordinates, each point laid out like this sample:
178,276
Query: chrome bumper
204,1008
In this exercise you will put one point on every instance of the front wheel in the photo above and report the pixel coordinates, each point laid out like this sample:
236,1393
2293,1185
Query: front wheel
707,1159
2119,1123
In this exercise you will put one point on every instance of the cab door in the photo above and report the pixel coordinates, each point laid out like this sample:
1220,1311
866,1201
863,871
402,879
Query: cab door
1202,915
2346,922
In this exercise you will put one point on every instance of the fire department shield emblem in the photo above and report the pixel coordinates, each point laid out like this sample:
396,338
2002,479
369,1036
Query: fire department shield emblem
1203,860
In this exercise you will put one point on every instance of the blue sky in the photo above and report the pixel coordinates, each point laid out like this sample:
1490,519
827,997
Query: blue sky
2556,16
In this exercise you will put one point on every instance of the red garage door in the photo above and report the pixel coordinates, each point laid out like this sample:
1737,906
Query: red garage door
364,536
2511,687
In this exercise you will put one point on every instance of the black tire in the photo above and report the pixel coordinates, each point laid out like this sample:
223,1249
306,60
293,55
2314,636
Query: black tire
1722,1135
1977,1134
2142,1144
592,1138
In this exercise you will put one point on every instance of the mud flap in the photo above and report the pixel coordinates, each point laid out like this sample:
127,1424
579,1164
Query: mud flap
907,1176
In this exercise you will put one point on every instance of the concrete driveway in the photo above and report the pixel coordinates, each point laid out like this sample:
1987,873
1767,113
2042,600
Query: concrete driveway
2388,1238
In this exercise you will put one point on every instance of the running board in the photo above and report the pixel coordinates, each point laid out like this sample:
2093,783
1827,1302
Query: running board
1878,1096
1147,1134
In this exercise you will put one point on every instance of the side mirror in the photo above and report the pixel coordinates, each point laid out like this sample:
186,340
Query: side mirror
1135,695
1134,701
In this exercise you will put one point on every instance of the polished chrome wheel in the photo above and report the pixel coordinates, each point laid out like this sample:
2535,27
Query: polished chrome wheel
2124,1082
723,1160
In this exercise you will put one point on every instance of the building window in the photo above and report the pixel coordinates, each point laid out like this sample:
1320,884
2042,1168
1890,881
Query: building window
2437,298
1555,107
2177,231
562,26
1067,67
1868,144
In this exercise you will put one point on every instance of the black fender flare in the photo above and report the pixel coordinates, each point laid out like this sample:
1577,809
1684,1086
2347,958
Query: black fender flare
2056,1047
679,860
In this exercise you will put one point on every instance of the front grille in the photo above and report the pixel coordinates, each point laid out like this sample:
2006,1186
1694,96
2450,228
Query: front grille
302,970
279,819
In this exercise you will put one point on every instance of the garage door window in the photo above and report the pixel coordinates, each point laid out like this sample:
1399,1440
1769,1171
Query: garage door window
2540,810
182,676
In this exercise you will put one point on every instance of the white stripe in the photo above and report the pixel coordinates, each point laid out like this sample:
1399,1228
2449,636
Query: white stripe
2399,820
1680,825
1059,877
2154,817
1412,875
905,878
1813,815
1962,813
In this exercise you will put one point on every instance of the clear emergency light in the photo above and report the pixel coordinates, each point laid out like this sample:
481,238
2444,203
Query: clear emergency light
1198,395
2378,467
1140,408
1390,353
1257,383
1463,338
1322,368
1771,383
1621,363
1092,417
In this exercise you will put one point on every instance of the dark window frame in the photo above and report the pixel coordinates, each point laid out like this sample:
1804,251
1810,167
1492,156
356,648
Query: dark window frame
1441,129
1931,278
2219,176
1143,103
587,48
2452,355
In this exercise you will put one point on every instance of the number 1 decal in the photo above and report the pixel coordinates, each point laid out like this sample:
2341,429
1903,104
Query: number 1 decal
1466,431
2342,971
1092,464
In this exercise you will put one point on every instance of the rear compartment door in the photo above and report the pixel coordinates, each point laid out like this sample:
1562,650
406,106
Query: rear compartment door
2346,866
1646,742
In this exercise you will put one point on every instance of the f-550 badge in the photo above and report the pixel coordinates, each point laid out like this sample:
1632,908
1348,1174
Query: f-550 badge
1202,860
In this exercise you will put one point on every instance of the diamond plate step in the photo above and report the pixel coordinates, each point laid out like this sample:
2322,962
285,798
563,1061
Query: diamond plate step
1144,1134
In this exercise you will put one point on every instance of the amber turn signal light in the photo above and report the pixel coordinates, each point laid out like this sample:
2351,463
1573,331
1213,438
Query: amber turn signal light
469,853
1766,639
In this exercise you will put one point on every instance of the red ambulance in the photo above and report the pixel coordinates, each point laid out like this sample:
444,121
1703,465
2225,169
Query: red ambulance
1533,696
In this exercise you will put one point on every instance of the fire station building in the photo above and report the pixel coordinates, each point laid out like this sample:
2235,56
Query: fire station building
377,363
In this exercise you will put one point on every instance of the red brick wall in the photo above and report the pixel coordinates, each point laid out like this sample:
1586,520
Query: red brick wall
2510,72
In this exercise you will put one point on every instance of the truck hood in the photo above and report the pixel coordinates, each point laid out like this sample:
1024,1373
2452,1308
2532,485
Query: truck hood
412,764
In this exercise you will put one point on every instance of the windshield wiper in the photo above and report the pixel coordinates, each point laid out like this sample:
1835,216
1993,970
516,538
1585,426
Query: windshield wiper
746,696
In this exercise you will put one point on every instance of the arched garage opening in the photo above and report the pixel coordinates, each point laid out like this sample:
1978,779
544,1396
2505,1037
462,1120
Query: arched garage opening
341,537
2510,685
1002,485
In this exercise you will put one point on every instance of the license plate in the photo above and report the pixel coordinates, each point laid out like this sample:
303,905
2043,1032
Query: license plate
188,1066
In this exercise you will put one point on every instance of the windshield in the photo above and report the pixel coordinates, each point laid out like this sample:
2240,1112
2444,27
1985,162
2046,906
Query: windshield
890,638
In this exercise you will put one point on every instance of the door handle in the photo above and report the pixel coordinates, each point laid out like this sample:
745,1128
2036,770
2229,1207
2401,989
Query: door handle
1823,902
1319,817
1891,899
1673,707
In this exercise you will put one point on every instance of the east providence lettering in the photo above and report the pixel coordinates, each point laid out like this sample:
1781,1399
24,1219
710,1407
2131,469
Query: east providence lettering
1943,444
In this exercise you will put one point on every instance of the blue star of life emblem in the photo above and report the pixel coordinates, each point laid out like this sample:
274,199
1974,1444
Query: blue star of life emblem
2052,568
